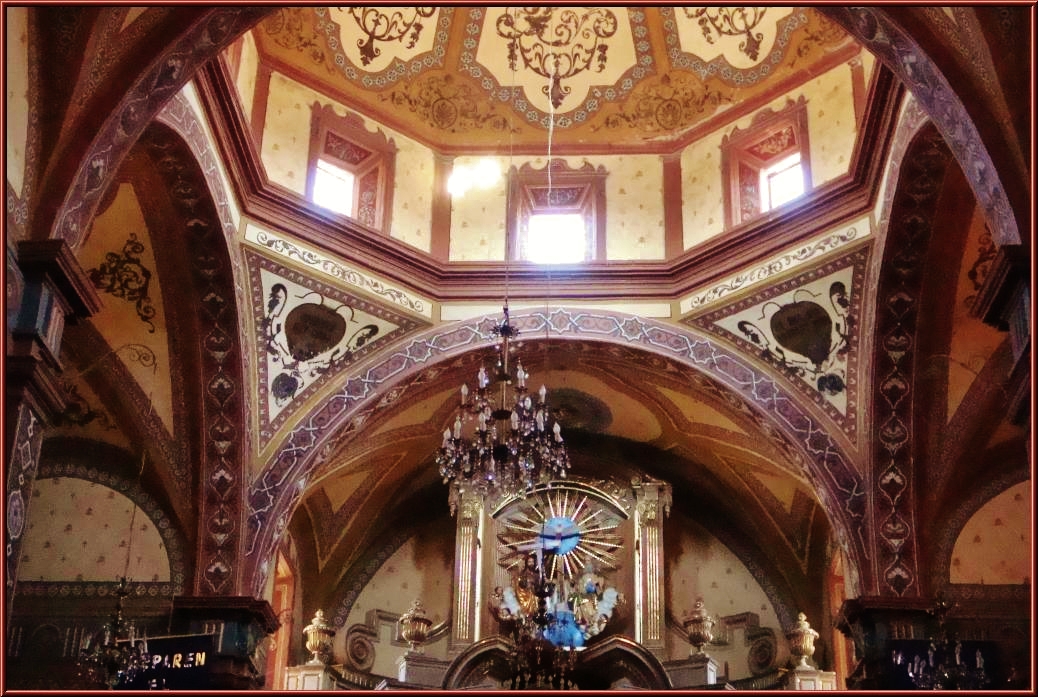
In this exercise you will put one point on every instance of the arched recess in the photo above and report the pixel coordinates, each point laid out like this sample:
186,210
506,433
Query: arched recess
276,492
116,469
768,564
952,524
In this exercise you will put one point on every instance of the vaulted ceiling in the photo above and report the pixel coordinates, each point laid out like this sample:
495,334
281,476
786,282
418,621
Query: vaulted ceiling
659,387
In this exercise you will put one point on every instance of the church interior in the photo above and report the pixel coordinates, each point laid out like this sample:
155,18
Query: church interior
283,285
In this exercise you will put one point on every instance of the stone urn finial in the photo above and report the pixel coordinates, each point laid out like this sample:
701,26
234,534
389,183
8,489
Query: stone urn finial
699,626
319,639
802,641
414,626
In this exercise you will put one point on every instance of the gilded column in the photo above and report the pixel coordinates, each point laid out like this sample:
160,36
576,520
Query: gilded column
467,568
653,499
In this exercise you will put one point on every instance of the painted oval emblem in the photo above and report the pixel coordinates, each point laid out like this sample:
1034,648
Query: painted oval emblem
804,327
312,329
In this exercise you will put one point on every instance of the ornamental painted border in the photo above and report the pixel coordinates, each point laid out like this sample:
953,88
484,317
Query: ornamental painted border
719,67
776,265
398,69
275,243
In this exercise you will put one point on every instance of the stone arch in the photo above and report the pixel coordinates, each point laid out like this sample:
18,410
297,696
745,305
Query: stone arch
276,492
77,194
198,250
899,285
876,30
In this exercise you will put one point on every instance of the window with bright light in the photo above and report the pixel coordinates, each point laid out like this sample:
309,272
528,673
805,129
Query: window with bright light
556,238
556,216
350,169
781,182
333,188
766,164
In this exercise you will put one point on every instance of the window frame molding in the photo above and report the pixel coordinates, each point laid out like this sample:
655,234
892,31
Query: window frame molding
737,155
380,162
527,194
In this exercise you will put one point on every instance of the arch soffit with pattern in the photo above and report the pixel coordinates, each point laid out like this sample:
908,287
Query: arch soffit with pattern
279,488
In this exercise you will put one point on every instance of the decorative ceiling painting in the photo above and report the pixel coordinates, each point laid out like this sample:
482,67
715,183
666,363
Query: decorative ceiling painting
807,327
614,86
601,52
308,332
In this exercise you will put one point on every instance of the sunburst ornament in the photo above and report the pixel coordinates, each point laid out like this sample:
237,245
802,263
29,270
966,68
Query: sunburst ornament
570,531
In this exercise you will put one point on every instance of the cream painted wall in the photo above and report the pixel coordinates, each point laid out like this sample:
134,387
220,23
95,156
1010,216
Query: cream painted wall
286,132
16,94
634,209
700,566
831,123
831,131
245,80
412,193
286,146
995,544
80,531
702,190
478,216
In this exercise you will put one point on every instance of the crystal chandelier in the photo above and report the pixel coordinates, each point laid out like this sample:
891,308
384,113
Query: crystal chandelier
117,655
943,662
504,440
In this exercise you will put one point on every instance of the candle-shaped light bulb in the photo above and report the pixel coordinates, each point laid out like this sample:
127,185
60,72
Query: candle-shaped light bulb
482,422
557,430
464,394
515,421
520,373
543,392
540,421
446,437
457,427
482,377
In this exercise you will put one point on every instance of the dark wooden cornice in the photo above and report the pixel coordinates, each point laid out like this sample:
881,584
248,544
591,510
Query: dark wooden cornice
1006,278
280,209
55,260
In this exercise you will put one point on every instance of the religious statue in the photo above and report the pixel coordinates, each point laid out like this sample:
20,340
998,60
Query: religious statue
525,585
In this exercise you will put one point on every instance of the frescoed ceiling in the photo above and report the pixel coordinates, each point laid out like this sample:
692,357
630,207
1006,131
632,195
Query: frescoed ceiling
632,78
